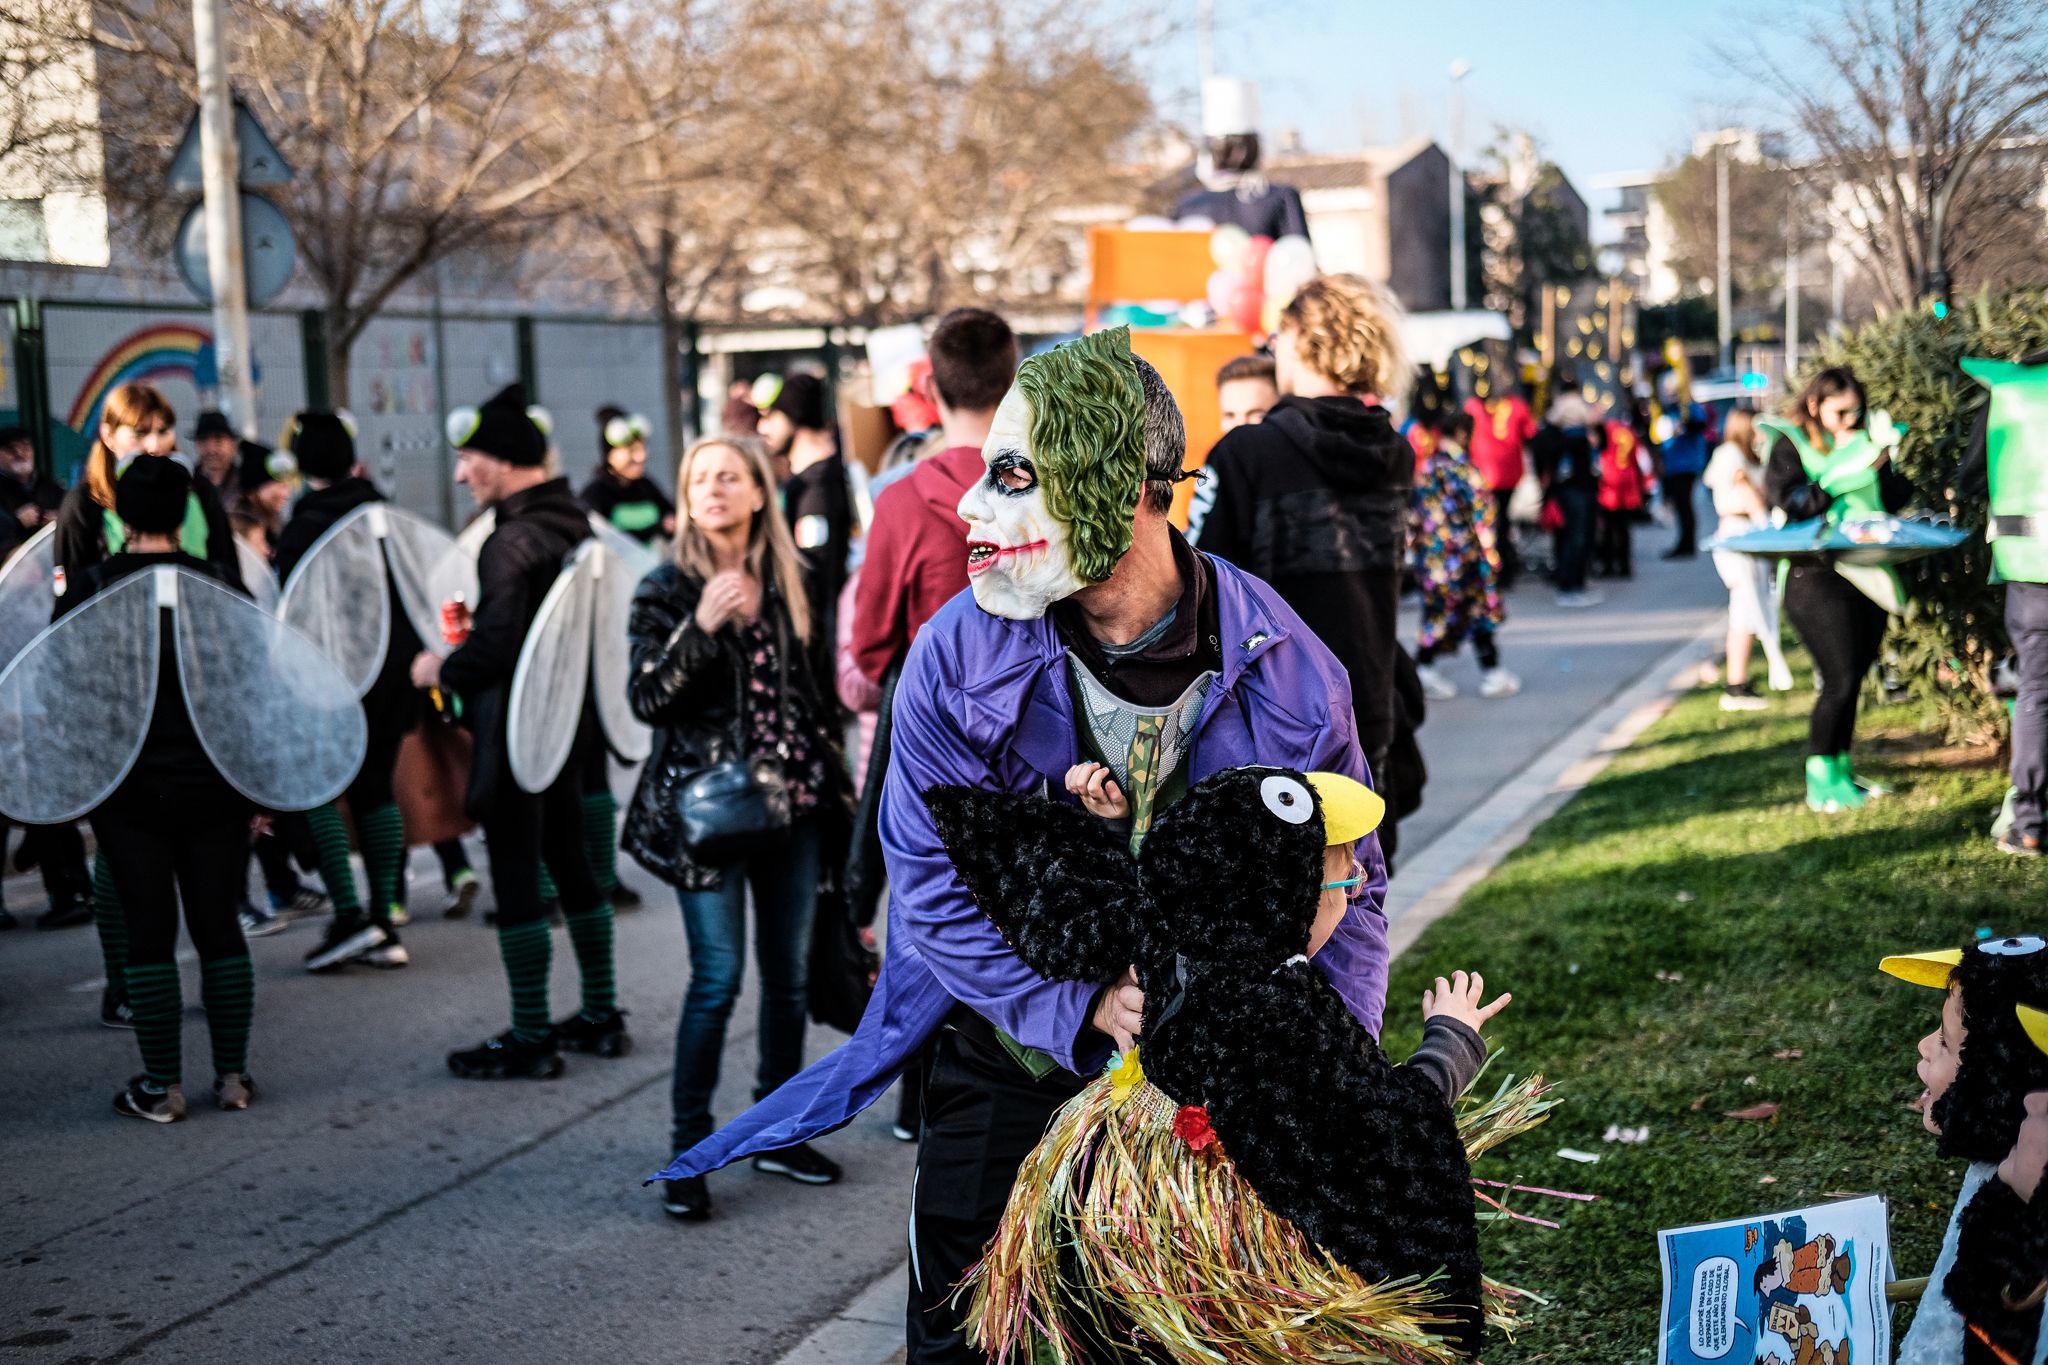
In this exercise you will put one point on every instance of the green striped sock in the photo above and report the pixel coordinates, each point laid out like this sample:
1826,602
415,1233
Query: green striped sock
601,838
154,994
227,987
111,923
548,889
528,950
381,832
330,850
591,936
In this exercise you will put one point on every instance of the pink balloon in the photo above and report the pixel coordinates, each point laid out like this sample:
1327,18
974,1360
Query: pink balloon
1222,288
1254,263
1245,304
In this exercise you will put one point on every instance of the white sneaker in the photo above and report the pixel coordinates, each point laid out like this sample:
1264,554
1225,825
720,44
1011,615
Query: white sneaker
1586,597
1495,683
1435,685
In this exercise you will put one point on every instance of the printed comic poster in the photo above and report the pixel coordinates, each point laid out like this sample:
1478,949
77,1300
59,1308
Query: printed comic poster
1800,1288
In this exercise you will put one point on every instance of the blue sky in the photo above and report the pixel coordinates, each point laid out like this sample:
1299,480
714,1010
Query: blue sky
1605,85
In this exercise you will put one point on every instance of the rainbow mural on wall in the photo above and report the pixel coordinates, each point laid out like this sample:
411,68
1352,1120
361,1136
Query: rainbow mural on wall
162,350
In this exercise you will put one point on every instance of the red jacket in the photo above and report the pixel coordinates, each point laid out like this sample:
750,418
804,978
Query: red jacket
916,557
1500,429
1621,469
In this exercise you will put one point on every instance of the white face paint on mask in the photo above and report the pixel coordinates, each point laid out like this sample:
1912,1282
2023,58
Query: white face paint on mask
1018,561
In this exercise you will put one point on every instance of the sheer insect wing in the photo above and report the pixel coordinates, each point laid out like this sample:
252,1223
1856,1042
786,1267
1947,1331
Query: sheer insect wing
337,599
553,674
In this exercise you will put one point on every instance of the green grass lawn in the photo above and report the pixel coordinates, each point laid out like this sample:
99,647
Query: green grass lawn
1685,938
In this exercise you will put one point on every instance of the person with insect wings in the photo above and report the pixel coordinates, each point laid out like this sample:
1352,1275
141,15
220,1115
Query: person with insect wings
519,676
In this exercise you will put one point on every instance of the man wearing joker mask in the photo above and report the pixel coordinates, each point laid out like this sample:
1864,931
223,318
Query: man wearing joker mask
1091,631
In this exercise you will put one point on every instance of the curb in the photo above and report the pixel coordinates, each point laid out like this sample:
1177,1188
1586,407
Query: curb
869,1330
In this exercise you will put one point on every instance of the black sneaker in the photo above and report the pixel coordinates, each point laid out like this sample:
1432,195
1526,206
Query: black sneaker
505,1058
606,1037
138,1101
345,941
625,897
390,954
1741,697
688,1199
114,1011
803,1163
69,913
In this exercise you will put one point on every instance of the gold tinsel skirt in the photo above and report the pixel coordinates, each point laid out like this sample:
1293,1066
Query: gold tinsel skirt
1125,1241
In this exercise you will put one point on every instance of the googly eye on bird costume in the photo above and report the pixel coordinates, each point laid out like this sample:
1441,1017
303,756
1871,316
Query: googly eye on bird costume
2019,946
463,424
1288,798
623,431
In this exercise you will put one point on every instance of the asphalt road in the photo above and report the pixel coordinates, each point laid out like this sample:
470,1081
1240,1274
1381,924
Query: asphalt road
372,1208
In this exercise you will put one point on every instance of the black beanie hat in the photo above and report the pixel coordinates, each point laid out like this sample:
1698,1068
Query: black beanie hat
257,464
802,400
322,444
151,493
507,428
212,423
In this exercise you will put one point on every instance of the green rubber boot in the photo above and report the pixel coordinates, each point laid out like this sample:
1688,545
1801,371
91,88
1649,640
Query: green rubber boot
1820,783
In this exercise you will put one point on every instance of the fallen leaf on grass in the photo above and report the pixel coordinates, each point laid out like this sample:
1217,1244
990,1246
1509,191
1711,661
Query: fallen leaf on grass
1767,1110
1685,898
1768,1180
1698,1104
1790,1054
1671,976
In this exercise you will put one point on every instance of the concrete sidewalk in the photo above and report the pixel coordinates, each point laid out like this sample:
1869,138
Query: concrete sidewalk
1487,822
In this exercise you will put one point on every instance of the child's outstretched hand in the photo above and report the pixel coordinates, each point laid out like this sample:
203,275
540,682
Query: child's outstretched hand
1098,791
1459,999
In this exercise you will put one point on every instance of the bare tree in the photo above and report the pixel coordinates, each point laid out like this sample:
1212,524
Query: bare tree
419,129
1528,232
49,124
1912,107
930,143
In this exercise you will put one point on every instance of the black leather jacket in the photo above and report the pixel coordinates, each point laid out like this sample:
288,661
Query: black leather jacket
685,684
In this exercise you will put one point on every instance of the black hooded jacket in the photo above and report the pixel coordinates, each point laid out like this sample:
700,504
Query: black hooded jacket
392,705
1315,501
536,529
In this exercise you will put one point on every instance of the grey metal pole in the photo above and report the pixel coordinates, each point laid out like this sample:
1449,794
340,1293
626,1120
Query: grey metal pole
218,162
1459,69
1791,301
1722,289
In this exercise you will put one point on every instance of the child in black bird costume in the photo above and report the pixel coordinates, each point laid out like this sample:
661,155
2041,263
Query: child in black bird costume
1266,1185
1984,1072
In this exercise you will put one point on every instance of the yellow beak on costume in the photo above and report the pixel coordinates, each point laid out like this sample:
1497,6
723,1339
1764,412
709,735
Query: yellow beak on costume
1351,810
2035,1022
1923,969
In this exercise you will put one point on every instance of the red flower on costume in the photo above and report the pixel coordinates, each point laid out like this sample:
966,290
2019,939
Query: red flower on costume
1191,1125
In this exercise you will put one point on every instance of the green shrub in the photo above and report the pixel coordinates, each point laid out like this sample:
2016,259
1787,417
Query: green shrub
1953,633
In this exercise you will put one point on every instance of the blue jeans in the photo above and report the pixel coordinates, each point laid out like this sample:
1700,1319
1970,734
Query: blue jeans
785,887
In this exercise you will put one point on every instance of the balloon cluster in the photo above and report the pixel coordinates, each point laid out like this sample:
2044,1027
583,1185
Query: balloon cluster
1256,277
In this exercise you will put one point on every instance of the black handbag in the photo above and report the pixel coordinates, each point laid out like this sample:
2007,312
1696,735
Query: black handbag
730,811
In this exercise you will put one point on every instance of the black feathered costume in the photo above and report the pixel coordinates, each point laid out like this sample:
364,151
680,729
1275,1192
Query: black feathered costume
1244,1040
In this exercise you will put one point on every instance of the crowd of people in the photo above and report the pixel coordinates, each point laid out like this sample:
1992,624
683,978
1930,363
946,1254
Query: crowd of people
819,653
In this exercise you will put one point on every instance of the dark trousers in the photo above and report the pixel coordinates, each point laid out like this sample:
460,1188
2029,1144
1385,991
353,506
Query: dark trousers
2026,621
982,1116
1483,645
1843,630
1678,489
785,887
1574,538
1504,538
59,855
169,845
522,829
1615,553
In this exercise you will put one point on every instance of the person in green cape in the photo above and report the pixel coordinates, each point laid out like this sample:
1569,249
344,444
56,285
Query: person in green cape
1826,461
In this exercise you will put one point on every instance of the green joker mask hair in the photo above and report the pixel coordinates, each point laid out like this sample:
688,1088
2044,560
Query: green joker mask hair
1087,437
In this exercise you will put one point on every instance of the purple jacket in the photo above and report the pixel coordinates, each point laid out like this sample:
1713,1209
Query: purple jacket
984,702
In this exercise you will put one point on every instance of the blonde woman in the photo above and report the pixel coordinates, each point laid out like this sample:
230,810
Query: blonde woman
1314,499
1735,476
719,639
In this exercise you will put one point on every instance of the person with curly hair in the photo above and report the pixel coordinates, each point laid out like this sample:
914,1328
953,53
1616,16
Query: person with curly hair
1314,499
